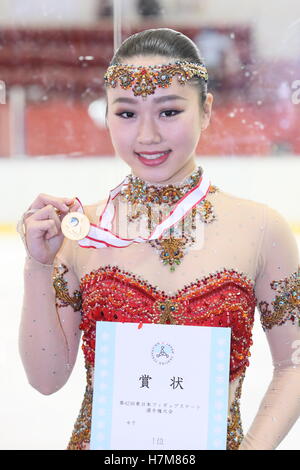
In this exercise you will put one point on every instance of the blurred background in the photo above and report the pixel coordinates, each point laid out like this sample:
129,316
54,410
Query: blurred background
53,140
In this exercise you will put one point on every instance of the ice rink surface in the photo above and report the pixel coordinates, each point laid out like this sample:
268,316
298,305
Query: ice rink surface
32,421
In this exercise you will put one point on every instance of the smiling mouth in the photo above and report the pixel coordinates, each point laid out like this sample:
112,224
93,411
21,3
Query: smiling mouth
153,156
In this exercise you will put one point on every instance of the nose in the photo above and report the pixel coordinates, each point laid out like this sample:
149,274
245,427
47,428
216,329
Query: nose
148,132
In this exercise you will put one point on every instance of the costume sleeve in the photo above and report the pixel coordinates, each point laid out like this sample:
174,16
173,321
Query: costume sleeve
49,333
277,288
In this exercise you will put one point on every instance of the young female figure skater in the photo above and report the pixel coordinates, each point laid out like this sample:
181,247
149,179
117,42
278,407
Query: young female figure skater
225,256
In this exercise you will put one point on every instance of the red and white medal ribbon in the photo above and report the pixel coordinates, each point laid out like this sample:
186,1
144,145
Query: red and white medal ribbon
100,235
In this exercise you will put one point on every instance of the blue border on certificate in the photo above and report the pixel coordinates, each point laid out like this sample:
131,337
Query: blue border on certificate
104,370
219,388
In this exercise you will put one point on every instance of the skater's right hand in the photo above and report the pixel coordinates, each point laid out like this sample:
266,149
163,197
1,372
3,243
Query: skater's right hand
43,233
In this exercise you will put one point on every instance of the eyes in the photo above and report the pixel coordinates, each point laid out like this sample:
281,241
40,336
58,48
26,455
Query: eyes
168,113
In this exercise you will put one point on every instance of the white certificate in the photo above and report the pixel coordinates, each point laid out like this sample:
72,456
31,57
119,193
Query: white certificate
159,386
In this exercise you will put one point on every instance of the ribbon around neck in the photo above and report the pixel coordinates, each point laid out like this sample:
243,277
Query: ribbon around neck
101,236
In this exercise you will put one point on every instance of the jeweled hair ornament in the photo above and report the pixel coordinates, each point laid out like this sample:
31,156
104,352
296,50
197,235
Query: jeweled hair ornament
143,80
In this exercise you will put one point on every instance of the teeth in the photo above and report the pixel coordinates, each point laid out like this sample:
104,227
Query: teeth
153,157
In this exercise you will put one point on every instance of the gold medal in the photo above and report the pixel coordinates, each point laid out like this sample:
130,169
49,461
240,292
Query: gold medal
75,226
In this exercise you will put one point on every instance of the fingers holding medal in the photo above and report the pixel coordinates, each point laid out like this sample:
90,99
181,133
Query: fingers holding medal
40,226
74,225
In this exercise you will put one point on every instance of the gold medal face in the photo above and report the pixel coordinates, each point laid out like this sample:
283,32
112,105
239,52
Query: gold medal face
75,226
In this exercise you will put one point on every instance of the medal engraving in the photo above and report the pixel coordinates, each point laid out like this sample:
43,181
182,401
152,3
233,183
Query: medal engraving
75,226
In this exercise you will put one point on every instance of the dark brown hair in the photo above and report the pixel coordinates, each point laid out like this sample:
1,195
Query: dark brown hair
167,43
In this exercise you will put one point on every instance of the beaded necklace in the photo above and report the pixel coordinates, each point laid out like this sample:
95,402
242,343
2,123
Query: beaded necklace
153,202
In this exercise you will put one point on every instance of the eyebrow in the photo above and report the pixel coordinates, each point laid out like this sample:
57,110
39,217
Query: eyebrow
160,99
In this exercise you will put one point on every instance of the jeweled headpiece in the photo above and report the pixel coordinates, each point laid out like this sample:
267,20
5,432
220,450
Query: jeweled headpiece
143,80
